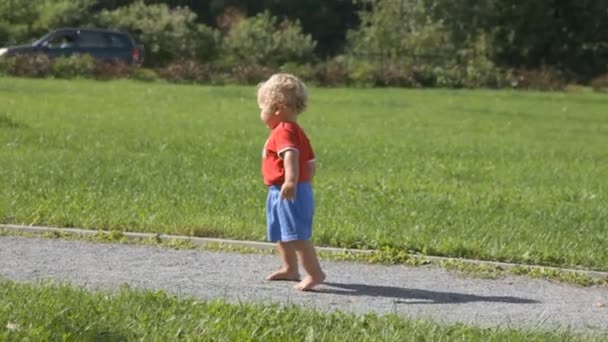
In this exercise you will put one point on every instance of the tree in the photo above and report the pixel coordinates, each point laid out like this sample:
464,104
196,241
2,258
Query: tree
393,29
264,40
167,33
571,35
23,21
326,21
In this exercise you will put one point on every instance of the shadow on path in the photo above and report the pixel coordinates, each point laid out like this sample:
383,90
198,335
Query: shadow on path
415,296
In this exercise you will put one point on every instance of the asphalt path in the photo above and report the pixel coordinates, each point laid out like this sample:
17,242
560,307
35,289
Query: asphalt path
416,292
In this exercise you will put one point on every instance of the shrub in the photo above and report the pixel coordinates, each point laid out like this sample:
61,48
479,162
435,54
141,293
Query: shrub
395,74
37,65
600,84
263,40
480,70
251,74
394,29
541,79
362,73
333,72
478,76
424,75
6,65
145,75
305,72
168,33
219,78
21,21
73,66
187,71
448,75
106,70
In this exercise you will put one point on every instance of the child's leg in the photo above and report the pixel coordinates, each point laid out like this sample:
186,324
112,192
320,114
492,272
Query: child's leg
289,270
308,257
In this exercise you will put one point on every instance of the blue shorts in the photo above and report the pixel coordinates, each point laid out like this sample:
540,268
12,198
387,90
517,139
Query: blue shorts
290,220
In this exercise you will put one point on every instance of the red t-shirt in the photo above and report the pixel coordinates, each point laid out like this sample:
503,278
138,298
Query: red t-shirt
286,136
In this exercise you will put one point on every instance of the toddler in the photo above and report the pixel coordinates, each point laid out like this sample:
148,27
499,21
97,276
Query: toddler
288,166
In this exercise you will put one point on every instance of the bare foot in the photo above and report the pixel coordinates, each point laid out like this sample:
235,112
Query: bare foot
310,282
284,275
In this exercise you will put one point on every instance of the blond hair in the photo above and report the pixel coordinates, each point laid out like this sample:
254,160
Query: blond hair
285,89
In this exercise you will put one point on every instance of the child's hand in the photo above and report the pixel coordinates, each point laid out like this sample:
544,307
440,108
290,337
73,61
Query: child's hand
289,187
288,191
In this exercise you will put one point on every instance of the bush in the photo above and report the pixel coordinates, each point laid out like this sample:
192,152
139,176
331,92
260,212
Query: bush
168,33
6,65
600,84
187,71
449,75
424,75
73,66
333,72
395,75
107,70
480,76
144,75
251,74
262,40
362,73
37,65
542,79
480,70
306,72
22,21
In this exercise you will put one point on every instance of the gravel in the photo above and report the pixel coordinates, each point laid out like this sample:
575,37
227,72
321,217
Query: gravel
416,292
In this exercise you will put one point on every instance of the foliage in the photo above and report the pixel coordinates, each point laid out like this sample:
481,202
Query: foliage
438,40
6,65
304,71
145,75
569,36
252,73
325,21
106,70
361,72
37,65
168,34
332,72
600,84
393,29
187,71
24,21
406,45
545,78
263,40
395,75
73,66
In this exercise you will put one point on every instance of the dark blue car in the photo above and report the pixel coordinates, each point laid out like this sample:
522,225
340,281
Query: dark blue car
105,45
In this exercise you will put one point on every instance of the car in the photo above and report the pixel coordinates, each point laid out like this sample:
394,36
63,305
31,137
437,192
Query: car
102,44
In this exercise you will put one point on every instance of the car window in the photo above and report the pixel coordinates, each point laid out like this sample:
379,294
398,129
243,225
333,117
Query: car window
92,39
118,40
61,41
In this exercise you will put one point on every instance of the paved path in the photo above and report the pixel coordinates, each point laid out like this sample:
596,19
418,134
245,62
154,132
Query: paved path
419,292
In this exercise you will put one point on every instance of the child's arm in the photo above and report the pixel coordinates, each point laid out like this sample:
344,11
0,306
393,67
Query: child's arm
312,168
290,162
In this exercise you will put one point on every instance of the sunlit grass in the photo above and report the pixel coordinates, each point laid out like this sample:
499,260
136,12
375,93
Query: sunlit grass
47,312
502,175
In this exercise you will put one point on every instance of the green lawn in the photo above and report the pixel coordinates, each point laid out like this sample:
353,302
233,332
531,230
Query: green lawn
501,175
47,312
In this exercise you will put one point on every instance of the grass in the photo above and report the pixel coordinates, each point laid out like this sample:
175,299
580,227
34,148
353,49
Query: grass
497,175
52,312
